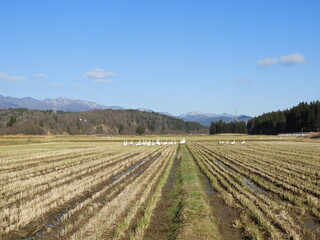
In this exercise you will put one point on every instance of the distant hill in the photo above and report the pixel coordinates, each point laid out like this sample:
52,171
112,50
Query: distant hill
75,105
107,121
60,104
205,119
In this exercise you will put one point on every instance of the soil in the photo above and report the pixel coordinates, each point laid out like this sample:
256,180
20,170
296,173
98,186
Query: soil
223,214
312,227
163,224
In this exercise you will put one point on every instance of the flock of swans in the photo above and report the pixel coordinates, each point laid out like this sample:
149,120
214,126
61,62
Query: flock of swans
166,142
151,142
233,142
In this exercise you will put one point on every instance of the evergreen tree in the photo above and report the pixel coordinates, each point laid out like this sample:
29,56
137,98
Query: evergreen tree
140,130
232,127
301,118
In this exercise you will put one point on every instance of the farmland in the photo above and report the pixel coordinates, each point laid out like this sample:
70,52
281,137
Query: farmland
93,187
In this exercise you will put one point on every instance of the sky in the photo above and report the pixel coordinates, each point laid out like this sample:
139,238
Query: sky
169,56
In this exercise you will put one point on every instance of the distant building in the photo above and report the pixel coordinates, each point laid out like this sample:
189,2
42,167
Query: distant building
298,134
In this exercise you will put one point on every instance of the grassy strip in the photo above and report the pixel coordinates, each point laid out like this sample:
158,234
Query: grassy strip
196,218
250,228
144,221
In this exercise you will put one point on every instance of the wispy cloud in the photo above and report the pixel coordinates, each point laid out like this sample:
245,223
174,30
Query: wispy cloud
98,73
294,58
244,81
39,75
267,62
56,84
102,81
78,85
7,77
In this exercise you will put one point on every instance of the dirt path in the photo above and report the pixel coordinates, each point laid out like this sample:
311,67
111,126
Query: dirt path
224,214
164,220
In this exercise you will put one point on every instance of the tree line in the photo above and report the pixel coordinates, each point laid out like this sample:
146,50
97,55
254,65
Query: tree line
305,117
231,127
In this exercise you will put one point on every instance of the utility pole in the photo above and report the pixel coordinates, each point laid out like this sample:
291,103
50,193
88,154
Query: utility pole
55,106
236,116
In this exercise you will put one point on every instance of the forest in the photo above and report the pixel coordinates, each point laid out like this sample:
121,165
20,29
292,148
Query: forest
232,127
116,122
305,117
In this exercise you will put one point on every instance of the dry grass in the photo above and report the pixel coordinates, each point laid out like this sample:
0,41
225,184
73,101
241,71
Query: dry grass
92,187
275,185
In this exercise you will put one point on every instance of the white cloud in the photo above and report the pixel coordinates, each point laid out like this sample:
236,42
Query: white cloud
39,75
6,77
98,73
78,85
102,81
245,81
57,84
292,59
267,62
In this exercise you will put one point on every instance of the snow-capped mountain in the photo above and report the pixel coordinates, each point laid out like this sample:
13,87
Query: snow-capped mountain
60,104
195,114
72,105
144,110
205,119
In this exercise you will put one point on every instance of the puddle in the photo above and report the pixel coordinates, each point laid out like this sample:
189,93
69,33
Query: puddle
312,224
253,187
224,214
207,185
224,165
57,218
151,158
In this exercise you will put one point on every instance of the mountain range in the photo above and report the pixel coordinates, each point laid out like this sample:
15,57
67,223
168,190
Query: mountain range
75,105
205,119
60,104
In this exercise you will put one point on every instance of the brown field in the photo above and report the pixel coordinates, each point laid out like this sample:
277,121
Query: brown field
94,187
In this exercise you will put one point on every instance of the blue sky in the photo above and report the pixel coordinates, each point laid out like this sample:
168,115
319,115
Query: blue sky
174,56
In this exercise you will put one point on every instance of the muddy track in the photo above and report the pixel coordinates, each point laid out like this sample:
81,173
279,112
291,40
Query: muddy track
163,224
37,228
225,215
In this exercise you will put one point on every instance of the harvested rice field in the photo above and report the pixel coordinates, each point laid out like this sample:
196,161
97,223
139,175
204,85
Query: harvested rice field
221,187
